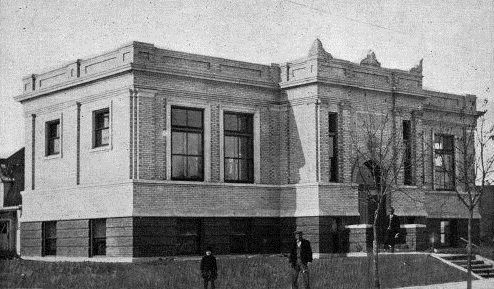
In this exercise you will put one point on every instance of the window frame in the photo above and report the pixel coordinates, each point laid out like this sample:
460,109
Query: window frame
49,139
333,133
93,239
407,158
100,144
46,249
187,129
437,169
249,136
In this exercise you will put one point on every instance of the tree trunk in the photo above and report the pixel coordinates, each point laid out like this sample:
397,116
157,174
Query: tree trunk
469,249
375,250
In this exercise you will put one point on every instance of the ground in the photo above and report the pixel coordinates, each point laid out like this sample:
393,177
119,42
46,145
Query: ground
239,272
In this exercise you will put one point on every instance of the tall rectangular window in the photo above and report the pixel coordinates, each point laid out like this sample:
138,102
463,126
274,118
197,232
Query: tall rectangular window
239,147
49,238
101,124
52,130
444,162
187,144
97,233
407,158
333,146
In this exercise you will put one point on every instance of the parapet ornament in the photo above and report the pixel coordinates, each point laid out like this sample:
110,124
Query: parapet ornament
318,50
418,68
370,60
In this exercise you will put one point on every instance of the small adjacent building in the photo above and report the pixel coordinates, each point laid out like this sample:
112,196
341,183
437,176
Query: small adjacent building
11,186
144,152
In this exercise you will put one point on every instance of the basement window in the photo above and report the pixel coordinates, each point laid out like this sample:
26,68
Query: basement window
98,237
49,243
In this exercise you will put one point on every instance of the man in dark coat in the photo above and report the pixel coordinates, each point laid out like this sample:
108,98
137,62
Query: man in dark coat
209,271
300,257
392,230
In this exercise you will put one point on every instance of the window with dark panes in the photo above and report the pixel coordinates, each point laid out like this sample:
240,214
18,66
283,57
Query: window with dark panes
101,128
238,147
98,237
189,236
407,160
49,244
240,235
187,144
333,146
53,137
444,162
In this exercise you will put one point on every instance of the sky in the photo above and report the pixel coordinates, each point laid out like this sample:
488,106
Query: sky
455,38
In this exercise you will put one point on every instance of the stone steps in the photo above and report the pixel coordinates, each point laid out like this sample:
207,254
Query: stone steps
479,267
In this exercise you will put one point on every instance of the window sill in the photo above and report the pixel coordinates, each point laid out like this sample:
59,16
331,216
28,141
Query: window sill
51,157
238,182
100,149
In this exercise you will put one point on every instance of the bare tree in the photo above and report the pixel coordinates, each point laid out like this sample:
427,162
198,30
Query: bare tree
475,165
379,158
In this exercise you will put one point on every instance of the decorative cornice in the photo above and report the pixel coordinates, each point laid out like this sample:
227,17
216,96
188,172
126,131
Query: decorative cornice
74,83
204,75
349,83
79,101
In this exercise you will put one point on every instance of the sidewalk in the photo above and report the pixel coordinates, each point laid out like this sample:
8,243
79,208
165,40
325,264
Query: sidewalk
476,284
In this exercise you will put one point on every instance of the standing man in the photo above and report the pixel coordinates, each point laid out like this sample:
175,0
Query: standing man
300,257
392,230
209,271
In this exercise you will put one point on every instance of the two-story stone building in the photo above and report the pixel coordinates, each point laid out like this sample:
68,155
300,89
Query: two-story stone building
145,152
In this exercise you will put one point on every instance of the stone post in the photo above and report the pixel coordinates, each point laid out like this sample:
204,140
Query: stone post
360,237
416,236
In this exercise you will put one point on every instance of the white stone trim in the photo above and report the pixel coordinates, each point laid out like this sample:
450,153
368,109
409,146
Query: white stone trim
412,226
359,226
80,259
207,133
257,138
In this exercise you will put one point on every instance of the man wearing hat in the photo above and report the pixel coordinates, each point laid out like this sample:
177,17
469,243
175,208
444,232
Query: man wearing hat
300,257
209,271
